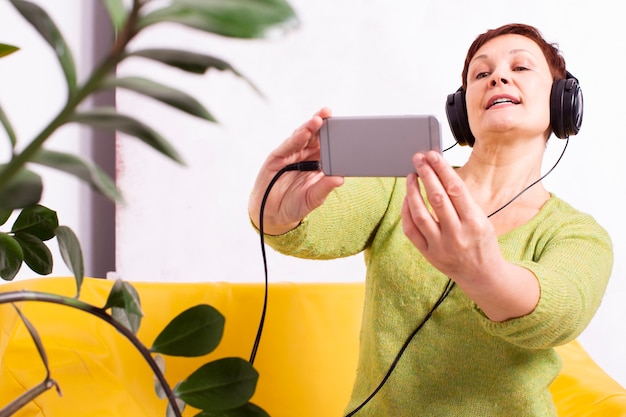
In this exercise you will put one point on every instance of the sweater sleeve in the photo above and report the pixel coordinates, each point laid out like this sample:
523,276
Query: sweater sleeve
572,262
343,226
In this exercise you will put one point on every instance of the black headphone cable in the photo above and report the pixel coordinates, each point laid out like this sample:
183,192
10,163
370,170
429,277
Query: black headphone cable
446,291
298,166
315,166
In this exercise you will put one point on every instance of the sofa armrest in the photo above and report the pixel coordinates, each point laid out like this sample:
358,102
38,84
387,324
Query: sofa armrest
583,388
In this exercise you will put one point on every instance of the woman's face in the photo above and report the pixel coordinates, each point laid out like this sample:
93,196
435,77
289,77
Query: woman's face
508,89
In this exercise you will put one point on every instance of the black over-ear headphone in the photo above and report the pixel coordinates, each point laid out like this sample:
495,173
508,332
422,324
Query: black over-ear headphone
566,111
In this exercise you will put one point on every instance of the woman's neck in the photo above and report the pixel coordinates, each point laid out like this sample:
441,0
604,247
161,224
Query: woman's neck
496,175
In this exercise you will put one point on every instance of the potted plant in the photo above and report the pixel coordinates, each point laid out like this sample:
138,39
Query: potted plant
35,225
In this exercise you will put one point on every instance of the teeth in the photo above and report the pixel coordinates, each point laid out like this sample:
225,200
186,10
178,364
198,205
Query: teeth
501,100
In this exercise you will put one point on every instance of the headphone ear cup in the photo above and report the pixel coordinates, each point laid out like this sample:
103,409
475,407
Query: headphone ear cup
456,111
566,107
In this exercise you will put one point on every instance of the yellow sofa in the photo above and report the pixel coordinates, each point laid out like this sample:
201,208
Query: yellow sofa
306,359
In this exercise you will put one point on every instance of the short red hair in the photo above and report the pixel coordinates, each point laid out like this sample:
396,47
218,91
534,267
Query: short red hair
551,51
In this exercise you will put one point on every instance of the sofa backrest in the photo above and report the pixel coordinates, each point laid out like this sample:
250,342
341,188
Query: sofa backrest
306,359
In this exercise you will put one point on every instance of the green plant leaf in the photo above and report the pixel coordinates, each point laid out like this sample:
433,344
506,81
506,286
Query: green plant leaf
46,27
34,334
194,332
230,18
8,128
219,385
36,254
4,216
81,168
131,321
170,96
11,257
7,49
38,221
125,305
22,190
72,255
116,11
187,61
108,118
192,62
246,410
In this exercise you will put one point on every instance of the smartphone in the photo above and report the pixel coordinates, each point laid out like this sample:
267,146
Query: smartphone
376,146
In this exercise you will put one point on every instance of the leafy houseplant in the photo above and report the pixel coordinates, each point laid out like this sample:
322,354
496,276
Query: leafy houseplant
196,331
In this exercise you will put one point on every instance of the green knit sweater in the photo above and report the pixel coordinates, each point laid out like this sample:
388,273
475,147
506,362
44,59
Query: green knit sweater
460,363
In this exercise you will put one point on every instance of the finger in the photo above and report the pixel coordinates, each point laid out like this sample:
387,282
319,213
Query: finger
321,189
454,187
437,194
324,112
305,138
417,222
411,231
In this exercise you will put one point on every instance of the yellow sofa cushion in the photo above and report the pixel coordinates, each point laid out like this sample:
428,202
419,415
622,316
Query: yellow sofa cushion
306,359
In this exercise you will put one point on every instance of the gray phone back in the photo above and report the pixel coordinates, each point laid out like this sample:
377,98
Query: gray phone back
376,146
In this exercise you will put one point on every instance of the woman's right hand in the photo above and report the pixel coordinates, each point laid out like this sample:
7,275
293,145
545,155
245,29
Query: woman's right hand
296,193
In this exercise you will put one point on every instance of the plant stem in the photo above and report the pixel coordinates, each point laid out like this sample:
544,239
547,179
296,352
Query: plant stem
15,405
117,53
19,296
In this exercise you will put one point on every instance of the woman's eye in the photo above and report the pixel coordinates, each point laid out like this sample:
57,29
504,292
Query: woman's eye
481,75
520,68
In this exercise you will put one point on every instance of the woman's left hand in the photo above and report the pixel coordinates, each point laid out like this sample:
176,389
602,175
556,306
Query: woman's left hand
457,237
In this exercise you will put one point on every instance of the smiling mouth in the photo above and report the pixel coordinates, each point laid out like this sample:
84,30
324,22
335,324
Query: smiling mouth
502,100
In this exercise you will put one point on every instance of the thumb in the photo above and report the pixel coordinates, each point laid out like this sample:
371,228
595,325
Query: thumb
320,191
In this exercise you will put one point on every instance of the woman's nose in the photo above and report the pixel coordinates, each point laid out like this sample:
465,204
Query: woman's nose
498,78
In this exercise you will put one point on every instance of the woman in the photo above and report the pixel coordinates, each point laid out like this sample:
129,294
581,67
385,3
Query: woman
527,273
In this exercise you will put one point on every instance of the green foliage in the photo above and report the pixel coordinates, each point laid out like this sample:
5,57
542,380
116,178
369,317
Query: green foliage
71,253
23,189
246,410
222,387
223,384
162,93
25,242
46,27
125,305
36,339
48,383
12,256
232,18
80,168
195,332
116,11
7,49
38,221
